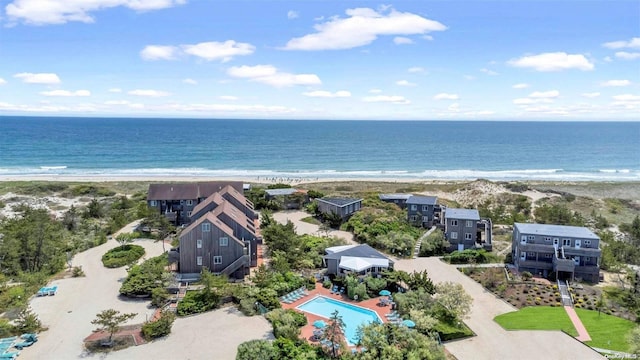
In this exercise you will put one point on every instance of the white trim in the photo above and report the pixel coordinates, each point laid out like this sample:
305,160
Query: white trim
199,260
217,260
199,244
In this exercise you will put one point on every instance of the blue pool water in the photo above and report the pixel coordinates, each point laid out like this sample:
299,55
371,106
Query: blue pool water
353,316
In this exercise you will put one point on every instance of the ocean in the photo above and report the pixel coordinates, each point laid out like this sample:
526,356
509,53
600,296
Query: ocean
310,149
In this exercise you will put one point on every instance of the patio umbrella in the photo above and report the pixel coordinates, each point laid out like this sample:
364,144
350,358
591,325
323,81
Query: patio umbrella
385,292
408,323
320,324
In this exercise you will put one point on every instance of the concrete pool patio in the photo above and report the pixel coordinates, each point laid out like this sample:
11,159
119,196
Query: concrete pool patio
307,330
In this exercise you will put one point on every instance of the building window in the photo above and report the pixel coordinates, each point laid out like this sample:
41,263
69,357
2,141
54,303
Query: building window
469,223
153,203
224,241
467,236
181,202
587,259
189,202
566,242
523,255
199,260
548,256
206,227
555,241
424,207
164,202
217,260
454,222
199,243
425,219
414,217
454,235
189,213
414,207
587,243
531,238
547,239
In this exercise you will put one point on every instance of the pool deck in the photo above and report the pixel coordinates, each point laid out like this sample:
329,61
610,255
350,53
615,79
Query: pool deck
307,330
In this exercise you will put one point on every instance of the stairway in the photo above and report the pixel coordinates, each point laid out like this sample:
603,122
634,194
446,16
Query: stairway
563,287
416,250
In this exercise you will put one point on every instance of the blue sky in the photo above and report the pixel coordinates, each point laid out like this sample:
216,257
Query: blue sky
504,60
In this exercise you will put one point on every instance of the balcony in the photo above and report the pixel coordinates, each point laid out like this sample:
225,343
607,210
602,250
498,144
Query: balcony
566,265
590,252
541,265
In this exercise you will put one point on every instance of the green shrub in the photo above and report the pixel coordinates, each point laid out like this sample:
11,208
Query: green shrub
122,255
195,302
143,278
467,256
76,271
159,296
160,327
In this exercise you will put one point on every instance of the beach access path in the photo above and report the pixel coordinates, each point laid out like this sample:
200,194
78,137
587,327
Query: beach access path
310,229
68,316
491,340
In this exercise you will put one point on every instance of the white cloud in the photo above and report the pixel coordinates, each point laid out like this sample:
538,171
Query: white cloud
115,90
489,72
292,14
626,97
590,95
42,12
627,55
327,94
608,59
626,101
455,107
361,27
521,86
246,71
159,52
66,93
401,40
616,83
117,102
556,61
39,78
545,94
214,50
405,83
427,37
190,81
469,77
229,108
375,91
416,69
445,96
2,81
228,97
633,43
269,74
148,93
395,99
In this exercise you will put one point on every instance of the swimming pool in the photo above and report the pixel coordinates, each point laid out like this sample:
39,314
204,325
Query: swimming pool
352,315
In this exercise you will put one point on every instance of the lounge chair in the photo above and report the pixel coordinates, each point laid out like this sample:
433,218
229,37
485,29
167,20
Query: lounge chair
334,289
393,313
342,290
10,355
53,290
44,291
23,344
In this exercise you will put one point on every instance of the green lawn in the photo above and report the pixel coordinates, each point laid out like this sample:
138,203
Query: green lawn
606,331
311,220
537,318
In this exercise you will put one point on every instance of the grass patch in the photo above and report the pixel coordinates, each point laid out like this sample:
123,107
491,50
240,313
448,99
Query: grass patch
537,318
450,332
606,331
122,255
311,220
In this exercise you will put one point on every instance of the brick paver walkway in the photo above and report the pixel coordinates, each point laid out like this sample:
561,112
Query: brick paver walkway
583,334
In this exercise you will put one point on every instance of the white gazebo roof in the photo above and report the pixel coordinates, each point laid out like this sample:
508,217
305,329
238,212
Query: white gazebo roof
360,264
336,249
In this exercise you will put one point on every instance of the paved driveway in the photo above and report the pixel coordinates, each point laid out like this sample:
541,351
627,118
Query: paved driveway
311,229
492,341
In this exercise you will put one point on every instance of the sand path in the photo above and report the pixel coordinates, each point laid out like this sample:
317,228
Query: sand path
310,229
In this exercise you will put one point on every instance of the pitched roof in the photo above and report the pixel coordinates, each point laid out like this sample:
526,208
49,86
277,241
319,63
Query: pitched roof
464,214
422,200
237,195
361,251
340,202
188,191
556,230
213,198
394,196
215,222
234,213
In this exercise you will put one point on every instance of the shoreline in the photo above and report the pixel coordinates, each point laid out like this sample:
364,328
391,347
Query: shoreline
292,180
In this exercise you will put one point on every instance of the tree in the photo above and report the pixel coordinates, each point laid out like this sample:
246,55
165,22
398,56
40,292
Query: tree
256,350
126,238
160,327
600,303
111,321
421,280
390,342
434,244
454,299
334,334
27,321
94,209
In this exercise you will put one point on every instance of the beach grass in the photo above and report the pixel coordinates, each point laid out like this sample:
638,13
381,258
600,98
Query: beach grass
606,331
537,318
311,220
